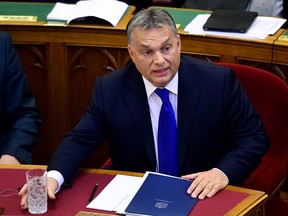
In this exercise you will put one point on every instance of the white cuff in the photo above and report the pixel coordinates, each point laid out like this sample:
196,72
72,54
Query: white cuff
57,176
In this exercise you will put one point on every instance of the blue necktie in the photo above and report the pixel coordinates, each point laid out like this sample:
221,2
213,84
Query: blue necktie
167,136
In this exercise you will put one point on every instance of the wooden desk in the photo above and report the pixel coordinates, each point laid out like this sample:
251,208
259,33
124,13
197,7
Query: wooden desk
62,62
280,53
252,203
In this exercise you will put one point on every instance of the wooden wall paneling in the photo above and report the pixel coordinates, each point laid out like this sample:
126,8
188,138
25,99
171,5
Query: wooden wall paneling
58,87
280,57
85,64
229,49
205,57
34,62
279,70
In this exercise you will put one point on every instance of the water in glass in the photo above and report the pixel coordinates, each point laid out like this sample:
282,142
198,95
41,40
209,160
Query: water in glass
37,192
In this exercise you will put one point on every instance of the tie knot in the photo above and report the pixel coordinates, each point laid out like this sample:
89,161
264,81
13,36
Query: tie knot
163,93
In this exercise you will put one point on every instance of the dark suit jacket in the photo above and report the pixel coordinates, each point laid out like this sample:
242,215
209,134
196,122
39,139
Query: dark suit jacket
285,13
19,117
217,126
216,4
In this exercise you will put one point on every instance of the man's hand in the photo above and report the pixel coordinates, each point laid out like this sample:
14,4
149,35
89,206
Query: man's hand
8,159
52,186
206,184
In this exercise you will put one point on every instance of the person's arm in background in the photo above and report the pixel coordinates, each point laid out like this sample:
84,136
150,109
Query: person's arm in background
285,13
19,116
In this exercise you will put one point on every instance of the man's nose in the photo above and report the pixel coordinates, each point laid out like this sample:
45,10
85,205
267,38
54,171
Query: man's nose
158,58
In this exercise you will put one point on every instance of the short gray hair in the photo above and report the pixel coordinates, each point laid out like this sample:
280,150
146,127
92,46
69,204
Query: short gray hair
149,19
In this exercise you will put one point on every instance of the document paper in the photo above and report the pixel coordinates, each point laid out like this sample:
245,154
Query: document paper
117,194
109,10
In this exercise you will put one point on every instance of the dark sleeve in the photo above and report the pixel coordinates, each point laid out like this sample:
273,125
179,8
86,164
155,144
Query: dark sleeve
219,4
285,13
248,135
20,119
83,140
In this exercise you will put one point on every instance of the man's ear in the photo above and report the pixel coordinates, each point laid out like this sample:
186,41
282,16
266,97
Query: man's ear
130,51
179,41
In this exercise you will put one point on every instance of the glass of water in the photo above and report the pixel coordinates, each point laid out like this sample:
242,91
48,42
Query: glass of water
37,191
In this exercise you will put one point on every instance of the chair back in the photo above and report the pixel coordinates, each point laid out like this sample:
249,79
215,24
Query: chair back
269,95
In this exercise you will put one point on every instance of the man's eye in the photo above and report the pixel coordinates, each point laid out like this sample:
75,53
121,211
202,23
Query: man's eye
165,49
147,52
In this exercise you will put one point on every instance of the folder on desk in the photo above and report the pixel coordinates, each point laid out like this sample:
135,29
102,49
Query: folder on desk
162,195
230,21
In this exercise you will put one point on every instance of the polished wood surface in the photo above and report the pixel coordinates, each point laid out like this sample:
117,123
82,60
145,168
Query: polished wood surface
253,204
280,53
62,62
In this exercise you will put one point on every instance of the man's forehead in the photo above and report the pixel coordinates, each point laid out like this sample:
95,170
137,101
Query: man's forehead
150,43
147,36
151,29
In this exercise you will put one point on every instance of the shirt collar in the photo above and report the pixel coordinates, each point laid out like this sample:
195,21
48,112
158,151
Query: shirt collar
172,85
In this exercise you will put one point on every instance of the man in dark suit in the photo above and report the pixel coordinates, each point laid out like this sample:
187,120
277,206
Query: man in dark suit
276,8
216,4
221,138
19,117
285,12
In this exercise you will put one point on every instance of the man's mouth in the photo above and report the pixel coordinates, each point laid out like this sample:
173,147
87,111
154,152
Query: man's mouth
163,70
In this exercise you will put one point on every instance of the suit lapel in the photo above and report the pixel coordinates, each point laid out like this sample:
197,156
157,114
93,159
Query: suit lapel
188,99
138,107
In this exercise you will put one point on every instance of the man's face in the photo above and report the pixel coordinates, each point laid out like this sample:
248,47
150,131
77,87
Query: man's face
156,54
